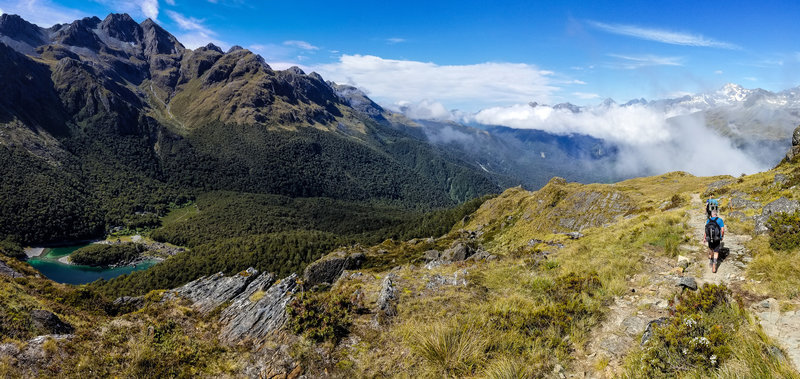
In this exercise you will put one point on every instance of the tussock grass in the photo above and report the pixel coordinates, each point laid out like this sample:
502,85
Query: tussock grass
450,349
777,272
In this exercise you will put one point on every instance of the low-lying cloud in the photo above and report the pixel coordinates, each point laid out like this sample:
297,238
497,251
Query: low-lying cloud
649,141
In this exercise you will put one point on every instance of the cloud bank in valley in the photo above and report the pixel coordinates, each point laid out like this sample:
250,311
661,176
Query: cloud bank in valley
650,141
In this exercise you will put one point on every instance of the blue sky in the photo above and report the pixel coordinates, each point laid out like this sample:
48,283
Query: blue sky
471,55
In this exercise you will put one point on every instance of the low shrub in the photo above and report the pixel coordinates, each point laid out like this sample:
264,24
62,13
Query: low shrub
320,316
697,337
784,231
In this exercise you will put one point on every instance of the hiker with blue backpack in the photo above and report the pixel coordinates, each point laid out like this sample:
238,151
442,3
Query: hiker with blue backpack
715,231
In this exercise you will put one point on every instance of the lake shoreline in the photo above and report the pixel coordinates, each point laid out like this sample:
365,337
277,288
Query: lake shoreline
33,252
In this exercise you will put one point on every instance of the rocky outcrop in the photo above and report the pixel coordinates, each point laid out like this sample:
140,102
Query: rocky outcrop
782,205
794,151
741,203
327,269
259,310
591,209
459,251
49,323
387,301
254,305
8,271
716,186
32,354
209,292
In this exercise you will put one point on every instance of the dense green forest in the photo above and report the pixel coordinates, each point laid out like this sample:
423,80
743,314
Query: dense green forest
233,231
104,180
99,255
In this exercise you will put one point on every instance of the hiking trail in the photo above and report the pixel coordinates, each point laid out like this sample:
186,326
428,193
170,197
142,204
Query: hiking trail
782,327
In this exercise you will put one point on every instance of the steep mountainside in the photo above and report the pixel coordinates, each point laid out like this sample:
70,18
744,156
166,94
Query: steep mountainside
119,116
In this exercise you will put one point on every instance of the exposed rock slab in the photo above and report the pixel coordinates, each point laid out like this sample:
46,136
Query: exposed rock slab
253,315
783,327
209,292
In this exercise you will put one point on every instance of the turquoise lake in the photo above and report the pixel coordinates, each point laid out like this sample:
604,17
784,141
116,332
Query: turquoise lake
50,267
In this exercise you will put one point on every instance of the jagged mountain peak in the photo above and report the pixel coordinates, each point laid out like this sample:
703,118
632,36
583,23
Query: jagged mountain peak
159,41
122,27
14,30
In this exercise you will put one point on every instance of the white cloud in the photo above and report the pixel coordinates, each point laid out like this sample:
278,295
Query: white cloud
586,95
631,62
718,72
1,11
422,110
196,34
664,36
43,12
395,40
300,45
170,2
469,87
189,23
149,8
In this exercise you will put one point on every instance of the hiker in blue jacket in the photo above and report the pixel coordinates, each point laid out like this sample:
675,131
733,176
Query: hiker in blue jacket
715,231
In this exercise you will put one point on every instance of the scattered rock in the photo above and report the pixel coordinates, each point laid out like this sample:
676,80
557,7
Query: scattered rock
8,271
479,256
688,282
574,235
459,278
780,179
48,322
129,303
683,262
387,299
717,185
741,203
329,268
458,252
431,255
648,332
740,216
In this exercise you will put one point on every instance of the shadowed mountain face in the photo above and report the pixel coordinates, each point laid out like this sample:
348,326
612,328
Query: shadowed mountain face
136,121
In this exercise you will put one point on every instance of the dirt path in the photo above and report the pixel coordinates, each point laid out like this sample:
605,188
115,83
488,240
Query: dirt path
782,327
733,257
